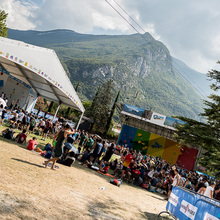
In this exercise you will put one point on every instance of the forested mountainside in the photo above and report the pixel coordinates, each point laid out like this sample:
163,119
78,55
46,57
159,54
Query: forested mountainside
134,64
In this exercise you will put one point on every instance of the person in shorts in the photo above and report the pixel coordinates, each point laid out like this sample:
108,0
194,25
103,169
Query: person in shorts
32,123
126,163
48,126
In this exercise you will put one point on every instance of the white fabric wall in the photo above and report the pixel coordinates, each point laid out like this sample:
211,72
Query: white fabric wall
15,91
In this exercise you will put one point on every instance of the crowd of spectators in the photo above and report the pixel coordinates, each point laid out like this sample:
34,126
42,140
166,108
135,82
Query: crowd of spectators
131,166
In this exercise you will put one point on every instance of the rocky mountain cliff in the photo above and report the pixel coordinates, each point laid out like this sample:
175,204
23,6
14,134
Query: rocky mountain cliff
135,65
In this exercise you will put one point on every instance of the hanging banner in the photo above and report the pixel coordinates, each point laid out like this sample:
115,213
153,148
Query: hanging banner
157,118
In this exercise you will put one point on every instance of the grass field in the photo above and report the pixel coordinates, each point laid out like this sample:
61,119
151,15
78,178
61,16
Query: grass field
30,191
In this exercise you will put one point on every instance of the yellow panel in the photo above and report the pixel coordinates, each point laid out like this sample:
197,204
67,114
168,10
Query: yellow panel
171,151
156,145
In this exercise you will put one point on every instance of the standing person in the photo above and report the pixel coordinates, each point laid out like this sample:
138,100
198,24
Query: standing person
60,138
49,125
32,123
41,126
1,110
109,152
4,111
83,137
17,104
89,142
126,163
20,117
6,101
209,191
176,181
12,104
2,95
97,150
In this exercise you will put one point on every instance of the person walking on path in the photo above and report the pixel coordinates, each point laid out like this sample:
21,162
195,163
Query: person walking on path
60,138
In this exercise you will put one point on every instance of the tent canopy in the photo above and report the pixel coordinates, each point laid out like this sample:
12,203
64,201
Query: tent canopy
41,69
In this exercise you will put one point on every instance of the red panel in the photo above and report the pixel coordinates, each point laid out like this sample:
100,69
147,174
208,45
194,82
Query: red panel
188,158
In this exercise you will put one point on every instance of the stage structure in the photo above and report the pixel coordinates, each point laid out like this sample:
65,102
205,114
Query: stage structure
152,133
28,71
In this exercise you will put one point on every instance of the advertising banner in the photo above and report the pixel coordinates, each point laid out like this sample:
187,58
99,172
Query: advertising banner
172,122
133,109
158,118
185,204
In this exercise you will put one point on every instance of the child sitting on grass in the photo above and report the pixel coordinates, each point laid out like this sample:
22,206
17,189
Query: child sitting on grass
104,167
32,144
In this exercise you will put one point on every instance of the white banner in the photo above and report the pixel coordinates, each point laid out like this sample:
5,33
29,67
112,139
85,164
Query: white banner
158,118
209,217
173,199
188,209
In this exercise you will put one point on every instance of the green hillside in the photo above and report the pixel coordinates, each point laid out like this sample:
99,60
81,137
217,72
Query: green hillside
132,63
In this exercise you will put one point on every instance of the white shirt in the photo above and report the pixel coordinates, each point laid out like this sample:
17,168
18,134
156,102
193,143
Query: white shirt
175,180
208,190
151,173
20,116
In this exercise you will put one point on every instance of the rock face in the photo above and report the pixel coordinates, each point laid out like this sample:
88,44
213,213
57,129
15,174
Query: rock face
133,63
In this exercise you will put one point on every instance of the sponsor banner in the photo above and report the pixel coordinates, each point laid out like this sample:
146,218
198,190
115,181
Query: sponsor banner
188,209
172,122
133,110
158,118
210,217
173,199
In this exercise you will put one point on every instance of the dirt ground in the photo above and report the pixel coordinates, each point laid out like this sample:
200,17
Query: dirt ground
30,191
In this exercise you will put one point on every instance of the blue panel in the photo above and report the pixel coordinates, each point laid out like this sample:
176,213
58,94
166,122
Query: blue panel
185,204
133,109
1,83
127,135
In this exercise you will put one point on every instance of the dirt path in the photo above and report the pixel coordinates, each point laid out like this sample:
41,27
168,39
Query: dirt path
29,191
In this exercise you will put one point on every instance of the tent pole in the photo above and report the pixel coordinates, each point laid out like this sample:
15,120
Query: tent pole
79,121
56,112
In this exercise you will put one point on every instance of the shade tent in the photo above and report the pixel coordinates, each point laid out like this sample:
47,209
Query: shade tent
39,68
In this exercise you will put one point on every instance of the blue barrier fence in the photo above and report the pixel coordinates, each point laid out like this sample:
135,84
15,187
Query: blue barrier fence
185,204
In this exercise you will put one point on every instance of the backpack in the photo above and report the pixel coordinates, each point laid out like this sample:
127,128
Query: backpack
116,182
33,122
9,134
48,147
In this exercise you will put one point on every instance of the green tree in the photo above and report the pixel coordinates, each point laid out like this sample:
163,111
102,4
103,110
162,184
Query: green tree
3,27
109,122
206,135
103,106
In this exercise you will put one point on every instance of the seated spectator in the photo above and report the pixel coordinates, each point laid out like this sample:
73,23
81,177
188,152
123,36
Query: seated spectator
69,159
118,168
21,138
85,156
8,133
113,164
32,144
104,167
188,183
154,180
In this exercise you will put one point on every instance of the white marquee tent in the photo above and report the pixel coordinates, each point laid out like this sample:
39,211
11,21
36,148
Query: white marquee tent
39,68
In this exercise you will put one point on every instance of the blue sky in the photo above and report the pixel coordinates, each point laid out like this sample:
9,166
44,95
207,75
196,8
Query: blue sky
190,28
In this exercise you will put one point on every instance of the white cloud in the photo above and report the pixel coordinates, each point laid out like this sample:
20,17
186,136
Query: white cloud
190,29
19,13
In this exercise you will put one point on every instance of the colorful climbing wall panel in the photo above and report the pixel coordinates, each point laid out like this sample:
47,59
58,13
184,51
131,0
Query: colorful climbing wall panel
155,145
